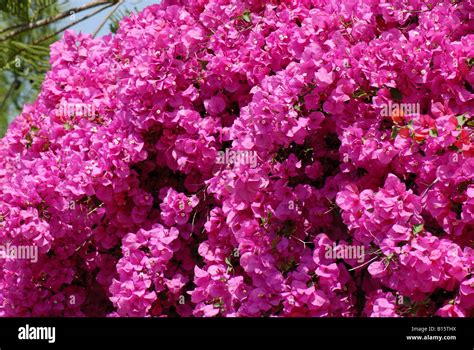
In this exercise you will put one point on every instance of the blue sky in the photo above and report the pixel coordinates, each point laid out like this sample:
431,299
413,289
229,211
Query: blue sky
90,25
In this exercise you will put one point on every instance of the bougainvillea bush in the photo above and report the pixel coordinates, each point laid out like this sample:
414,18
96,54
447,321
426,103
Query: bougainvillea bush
248,158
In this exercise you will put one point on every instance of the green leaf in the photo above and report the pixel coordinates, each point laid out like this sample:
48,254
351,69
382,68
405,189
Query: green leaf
433,132
246,17
395,94
395,131
453,148
218,304
265,221
461,119
359,93
417,228
406,301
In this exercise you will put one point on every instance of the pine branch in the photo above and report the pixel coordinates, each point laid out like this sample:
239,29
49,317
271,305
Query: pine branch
107,18
71,24
14,85
40,40
45,21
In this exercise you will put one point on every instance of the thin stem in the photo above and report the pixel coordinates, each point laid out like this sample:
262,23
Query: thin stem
364,263
304,243
375,251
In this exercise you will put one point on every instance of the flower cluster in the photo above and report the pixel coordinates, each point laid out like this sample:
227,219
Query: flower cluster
133,213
